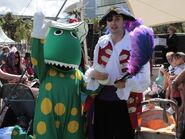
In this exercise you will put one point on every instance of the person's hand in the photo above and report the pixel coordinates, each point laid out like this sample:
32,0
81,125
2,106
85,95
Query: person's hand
166,73
24,79
99,75
12,80
16,79
172,77
120,84
181,108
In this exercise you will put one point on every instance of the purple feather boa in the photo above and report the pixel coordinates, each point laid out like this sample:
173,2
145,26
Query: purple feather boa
142,45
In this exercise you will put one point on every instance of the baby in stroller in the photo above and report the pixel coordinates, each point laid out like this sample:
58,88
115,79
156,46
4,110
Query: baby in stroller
157,122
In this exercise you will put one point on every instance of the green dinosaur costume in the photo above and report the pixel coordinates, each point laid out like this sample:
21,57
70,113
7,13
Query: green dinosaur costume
56,59
58,109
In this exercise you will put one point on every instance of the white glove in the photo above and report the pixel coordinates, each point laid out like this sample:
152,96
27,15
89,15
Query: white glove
91,83
40,26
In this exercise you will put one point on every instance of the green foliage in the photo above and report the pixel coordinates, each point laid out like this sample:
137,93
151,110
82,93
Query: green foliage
74,14
16,27
95,22
19,29
2,21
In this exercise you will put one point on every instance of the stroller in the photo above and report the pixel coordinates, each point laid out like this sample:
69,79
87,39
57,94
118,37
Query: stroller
158,120
17,98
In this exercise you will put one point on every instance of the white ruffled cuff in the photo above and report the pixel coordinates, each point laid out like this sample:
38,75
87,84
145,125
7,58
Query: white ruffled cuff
93,84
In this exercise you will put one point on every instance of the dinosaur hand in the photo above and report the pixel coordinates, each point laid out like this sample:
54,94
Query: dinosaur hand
40,25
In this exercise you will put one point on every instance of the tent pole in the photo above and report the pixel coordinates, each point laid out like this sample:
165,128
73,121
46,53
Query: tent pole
60,10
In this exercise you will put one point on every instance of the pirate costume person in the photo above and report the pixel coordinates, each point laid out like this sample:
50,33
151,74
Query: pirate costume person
113,104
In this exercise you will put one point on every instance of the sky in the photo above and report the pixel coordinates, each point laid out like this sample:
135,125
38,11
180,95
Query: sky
28,7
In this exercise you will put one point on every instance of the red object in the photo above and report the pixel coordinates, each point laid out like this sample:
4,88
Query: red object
133,103
104,54
73,20
88,103
123,58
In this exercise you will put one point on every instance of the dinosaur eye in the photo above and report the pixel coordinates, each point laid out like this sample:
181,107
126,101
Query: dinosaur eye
73,34
58,32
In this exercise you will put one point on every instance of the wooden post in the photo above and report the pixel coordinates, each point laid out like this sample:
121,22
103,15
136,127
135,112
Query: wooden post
85,41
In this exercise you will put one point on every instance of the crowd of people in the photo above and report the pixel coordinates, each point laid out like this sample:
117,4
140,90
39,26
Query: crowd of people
113,111
10,61
169,72
15,68
14,62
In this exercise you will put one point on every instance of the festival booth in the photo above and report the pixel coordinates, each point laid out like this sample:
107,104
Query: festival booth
4,39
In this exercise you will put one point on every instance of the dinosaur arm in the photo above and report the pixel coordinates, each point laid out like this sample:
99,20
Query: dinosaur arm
38,57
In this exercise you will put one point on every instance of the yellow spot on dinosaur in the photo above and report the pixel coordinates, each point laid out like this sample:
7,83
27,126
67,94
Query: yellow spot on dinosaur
14,133
72,76
52,72
41,128
74,111
61,75
57,124
34,61
59,109
46,106
48,86
73,126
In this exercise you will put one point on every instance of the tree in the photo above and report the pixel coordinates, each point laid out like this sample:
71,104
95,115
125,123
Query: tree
74,14
16,28
2,21
23,30
9,25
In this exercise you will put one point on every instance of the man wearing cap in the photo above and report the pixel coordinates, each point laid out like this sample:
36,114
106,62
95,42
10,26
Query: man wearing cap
111,55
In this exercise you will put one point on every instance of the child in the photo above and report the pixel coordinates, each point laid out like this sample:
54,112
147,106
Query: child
178,65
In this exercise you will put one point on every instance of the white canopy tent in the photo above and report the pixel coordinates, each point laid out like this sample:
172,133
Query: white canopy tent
74,6
4,39
158,12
